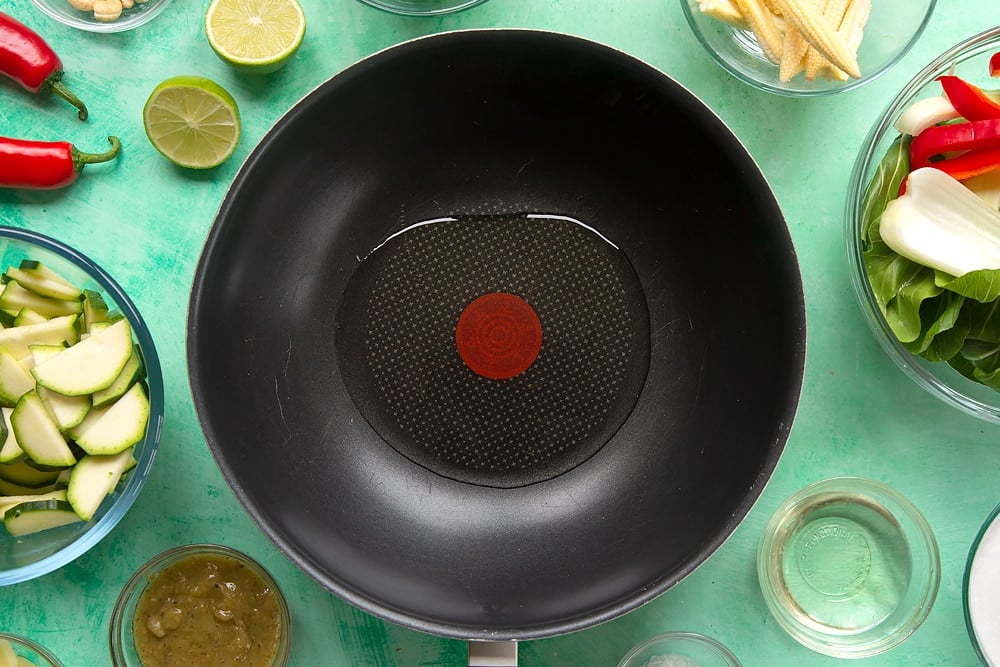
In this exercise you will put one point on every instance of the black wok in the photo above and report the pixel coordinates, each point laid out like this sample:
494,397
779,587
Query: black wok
287,362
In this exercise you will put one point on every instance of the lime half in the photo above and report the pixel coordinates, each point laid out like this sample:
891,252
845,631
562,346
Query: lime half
193,121
258,35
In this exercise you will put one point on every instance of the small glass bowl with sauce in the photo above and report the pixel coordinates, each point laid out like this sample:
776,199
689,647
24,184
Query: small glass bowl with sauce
200,604
849,567
31,651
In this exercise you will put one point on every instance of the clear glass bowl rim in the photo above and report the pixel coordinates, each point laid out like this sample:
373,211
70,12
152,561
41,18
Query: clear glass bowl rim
865,161
120,25
789,91
987,523
899,505
32,645
154,381
119,626
683,636
404,8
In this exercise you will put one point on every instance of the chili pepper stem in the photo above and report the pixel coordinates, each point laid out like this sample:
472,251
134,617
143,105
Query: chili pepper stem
62,91
81,158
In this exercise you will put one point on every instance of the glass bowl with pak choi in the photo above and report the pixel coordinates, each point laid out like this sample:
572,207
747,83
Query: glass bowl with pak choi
923,227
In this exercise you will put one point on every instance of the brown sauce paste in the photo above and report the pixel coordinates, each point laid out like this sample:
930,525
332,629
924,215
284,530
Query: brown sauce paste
207,609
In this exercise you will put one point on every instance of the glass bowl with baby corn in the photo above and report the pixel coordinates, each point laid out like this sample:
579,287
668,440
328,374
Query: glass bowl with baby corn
802,47
102,15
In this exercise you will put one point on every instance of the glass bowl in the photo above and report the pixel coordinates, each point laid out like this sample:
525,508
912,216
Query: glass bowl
848,567
892,28
29,650
139,14
969,60
34,555
122,643
981,590
423,7
679,649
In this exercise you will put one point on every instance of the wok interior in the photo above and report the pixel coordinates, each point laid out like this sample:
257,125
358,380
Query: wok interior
487,122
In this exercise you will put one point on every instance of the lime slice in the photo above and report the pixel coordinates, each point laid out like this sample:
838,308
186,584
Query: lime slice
193,121
258,35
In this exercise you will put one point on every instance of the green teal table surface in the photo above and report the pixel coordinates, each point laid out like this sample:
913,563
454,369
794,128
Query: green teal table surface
145,221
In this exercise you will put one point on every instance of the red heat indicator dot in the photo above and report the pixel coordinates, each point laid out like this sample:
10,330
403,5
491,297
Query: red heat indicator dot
498,335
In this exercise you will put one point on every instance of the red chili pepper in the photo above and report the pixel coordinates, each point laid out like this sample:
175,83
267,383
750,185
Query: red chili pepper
941,139
970,101
995,64
45,165
26,58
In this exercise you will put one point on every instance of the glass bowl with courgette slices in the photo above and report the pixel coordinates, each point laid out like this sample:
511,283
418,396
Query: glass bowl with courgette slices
25,652
81,404
801,48
923,227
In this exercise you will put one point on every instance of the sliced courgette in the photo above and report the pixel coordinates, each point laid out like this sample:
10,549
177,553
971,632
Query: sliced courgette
12,489
90,365
6,502
38,434
28,316
16,297
9,449
51,332
120,425
21,473
95,309
43,281
93,478
66,411
124,381
7,656
15,381
39,515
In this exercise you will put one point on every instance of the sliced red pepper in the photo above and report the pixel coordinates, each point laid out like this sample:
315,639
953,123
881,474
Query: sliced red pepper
970,101
969,164
45,165
995,64
940,139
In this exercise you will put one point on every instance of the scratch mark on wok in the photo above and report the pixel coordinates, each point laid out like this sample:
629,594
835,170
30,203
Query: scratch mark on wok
281,410
701,374
666,326
523,167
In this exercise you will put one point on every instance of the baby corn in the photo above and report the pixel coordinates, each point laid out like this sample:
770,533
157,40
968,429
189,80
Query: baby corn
852,28
821,35
813,57
724,10
793,55
764,25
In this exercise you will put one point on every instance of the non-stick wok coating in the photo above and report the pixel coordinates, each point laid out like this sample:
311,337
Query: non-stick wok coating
498,122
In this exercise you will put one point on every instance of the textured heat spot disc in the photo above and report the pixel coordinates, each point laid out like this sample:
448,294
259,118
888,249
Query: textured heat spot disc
498,335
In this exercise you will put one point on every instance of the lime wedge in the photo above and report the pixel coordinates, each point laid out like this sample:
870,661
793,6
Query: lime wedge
193,122
257,35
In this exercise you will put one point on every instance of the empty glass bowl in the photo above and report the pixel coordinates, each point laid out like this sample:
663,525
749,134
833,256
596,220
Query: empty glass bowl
849,567
138,14
679,649
892,28
423,7
968,59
